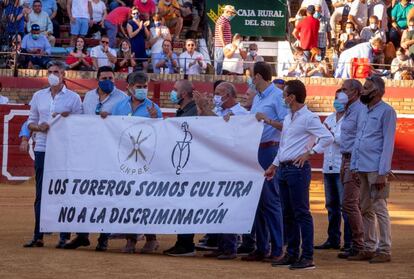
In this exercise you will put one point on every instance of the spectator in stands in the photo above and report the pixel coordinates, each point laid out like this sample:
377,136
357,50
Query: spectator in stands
222,36
402,65
358,14
234,56
407,38
98,17
3,100
378,8
146,8
103,55
165,61
298,65
114,21
322,3
373,30
399,20
15,19
137,33
170,12
113,4
279,83
16,49
187,9
324,33
79,58
191,61
251,58
80,14
307,31
126,58
51,8
36,44
41,18
159,33
349,38
342,8
317,66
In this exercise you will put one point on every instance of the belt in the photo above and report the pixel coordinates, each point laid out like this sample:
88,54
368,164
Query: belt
286,164
268,144
346,155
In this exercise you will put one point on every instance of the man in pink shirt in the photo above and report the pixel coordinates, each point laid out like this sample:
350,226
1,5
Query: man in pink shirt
146,8
116,19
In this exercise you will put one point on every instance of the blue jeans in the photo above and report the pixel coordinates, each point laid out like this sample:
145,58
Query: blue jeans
111,32
294,189
218,59
39,166
269,218
334,192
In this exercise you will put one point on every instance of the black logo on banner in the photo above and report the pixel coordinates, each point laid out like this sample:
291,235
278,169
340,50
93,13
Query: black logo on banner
181,152
137,148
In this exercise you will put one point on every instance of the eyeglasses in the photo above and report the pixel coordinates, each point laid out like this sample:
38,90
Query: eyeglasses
98,108
105,42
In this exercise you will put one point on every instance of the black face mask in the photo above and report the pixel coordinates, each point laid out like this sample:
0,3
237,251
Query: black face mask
366,99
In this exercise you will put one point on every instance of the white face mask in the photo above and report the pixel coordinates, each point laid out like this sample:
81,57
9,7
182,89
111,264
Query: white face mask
218,101
53,80
349,30
373,26
411,28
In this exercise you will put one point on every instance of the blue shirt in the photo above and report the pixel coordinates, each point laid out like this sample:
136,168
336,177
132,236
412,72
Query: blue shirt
270,102
349,127
28,43
24,131
374,144
162,56
124,107
18,26
91,101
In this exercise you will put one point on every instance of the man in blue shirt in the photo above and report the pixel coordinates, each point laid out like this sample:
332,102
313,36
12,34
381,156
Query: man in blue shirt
371,158
268,106
138,105
166,60
38,45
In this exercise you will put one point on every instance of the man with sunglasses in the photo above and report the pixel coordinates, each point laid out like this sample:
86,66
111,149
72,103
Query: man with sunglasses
191,61
103,55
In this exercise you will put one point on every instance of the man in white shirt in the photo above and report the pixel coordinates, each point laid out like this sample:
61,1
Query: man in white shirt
334,189
251,58
45,104
301,128
379,9
191,61
103,55
358,14
342,8
373,30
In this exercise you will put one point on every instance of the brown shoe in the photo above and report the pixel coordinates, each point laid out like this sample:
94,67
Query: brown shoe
130,246
271,259
362,256
253,257
380,258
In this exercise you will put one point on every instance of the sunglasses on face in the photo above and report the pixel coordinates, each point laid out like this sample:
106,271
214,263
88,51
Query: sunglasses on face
105,42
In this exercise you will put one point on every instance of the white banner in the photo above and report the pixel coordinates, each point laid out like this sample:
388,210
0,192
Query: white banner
140,175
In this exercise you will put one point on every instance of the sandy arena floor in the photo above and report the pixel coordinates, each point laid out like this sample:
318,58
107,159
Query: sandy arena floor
16,219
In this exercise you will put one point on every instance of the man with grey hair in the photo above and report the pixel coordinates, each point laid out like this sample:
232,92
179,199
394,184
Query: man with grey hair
352,88
46,104
371,159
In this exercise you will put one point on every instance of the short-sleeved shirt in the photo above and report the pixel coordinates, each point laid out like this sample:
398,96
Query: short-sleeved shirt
359,11
367,34
101,57
98,11
379,9
49,6
18,26
80,9
119,15
171,9
147,8
91,101
226,27
170,66
41,19
324,28
308,30
124,107
157,46
399,14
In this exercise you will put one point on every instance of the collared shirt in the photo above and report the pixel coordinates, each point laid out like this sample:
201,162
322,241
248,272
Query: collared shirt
28,43
185,60
42,106
124,107
374,144
91,101
237,109
162,56
189,110
349,126
42,19
102,58
24,130
299,135
332,157
270,102
367,34
48,6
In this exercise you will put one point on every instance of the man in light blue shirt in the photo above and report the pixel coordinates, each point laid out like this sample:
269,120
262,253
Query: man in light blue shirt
166,60
371,158
268,106
38,45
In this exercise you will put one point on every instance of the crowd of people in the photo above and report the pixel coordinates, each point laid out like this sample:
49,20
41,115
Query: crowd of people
357,141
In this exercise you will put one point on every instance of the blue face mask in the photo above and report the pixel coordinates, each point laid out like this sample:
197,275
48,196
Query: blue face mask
157,24
250,83
106,85
141,93
231,17
174,97
35,36
136,16
339,107
317,15
318,58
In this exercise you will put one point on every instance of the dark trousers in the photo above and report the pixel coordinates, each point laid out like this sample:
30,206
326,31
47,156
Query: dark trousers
269,218
95,28
294,185
56,28
39,166
227,243
103,237
186,241
334,191
395,37
249,240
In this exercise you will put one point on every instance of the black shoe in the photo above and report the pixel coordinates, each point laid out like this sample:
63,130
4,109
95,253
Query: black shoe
345,249
244,251
327,245
61,244
179,251
254,257
347,254
287,260
302,264
34,243
102,246
77,242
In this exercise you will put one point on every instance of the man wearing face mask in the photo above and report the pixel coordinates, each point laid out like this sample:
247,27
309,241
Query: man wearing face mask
45,104
352,88
334,189
36,43
371,159
251,58
138,104
407,38
324,32
373,31
222,36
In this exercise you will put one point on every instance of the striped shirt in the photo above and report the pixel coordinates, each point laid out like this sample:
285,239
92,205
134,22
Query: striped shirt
225,23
